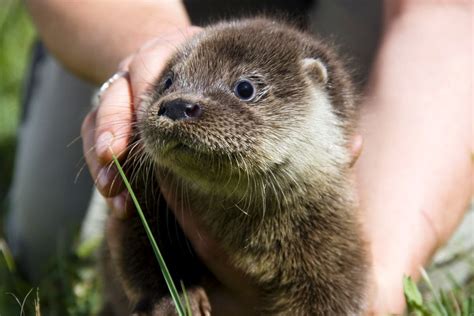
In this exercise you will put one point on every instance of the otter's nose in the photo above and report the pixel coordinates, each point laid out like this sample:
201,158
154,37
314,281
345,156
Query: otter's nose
179,110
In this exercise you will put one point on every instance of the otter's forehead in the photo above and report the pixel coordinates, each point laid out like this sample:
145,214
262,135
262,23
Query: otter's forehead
224,53
250,43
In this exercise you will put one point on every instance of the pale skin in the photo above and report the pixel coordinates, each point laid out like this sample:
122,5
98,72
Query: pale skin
414,175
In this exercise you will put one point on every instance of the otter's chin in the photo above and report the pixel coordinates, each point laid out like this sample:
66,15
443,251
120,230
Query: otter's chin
176,155
202,169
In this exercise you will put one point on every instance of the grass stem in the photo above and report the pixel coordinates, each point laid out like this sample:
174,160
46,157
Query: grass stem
154,245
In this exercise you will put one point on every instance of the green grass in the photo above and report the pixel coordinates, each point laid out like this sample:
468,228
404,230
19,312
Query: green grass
458,301
72,286
15,43
16,36
161,262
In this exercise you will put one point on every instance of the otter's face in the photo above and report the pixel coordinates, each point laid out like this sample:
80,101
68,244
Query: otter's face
241,99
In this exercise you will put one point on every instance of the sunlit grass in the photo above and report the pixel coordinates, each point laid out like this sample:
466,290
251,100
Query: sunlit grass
456,302
16,37
161,262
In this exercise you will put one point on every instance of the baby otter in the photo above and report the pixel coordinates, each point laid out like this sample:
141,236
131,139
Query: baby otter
252,121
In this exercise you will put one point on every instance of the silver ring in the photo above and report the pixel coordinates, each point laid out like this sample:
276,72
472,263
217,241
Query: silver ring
106,85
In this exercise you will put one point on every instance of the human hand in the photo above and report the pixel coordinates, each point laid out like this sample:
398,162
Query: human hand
107,130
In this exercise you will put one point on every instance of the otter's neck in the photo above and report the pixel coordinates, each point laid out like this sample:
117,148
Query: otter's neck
237,215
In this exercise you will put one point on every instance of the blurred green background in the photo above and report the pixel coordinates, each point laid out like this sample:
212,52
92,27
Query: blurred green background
16,37
72,287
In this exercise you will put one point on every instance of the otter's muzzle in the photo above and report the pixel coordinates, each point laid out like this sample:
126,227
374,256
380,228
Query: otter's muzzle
180,110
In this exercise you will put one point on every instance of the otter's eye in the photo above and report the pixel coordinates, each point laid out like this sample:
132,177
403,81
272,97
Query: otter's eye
244,90
168,83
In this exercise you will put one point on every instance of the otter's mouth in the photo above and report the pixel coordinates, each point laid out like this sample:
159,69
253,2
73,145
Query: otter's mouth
170,147
167,147
187,149
174,153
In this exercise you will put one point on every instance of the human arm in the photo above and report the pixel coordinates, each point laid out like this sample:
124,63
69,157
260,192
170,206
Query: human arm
415,172
92,37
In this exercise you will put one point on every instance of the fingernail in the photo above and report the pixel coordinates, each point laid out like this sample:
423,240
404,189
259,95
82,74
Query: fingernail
106,177
104,142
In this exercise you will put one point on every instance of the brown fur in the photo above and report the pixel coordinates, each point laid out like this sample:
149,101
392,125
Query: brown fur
271,186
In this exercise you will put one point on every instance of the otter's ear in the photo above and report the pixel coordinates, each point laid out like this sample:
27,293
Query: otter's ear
316,70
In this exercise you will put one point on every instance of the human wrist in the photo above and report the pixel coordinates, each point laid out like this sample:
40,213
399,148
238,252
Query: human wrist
402,251
127,44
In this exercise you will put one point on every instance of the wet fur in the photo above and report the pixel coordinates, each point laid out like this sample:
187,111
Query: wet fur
268,178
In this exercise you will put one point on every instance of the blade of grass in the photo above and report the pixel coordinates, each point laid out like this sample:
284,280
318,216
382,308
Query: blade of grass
413,298
154,245
186,300
7,256
37,303
468,306
437,302
447,303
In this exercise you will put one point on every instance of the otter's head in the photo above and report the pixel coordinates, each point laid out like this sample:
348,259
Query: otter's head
249,99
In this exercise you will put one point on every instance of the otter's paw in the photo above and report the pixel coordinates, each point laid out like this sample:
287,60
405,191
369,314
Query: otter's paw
197,298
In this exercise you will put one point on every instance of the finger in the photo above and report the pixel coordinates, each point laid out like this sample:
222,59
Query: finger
125,64
121,205
114,121
144,70
87,135
149,62
106,178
